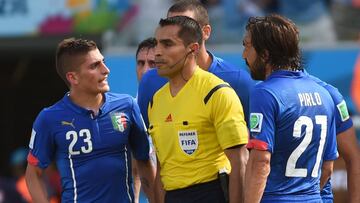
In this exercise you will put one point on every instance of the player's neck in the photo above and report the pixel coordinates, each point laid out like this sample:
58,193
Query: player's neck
88,101
204,59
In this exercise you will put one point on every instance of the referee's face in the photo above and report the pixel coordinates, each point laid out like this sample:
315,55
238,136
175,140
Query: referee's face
170,51
91,77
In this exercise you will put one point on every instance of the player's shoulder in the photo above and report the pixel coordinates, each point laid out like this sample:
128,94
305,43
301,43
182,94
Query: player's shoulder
234,75
150,76
220,65
114,99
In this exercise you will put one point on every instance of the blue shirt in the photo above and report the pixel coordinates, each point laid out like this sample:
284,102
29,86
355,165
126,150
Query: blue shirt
343,123
239,79
293,118
91,152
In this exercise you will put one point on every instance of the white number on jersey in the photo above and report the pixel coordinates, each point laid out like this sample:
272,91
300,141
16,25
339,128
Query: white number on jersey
321,120
73,136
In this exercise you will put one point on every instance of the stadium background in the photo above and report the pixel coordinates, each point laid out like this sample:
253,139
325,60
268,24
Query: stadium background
30,30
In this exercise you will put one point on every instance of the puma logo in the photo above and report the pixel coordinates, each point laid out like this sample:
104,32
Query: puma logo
69,123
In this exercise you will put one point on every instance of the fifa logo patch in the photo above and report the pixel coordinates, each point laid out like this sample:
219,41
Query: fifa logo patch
188,141
119,121
256,120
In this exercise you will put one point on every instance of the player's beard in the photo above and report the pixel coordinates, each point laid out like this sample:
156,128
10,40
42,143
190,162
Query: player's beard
257,70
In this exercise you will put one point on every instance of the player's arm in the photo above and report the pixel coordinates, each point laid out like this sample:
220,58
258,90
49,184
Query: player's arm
147,177
237,156
136,179
159,188
326,171
349,149
35,184
257,171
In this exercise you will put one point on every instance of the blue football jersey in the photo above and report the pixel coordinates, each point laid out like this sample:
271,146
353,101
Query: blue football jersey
343,122
92,153
239,79
293,118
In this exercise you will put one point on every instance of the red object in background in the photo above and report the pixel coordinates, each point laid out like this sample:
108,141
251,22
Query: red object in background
55,25
355,86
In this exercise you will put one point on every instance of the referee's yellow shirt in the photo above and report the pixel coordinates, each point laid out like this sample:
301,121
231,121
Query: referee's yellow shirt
191,130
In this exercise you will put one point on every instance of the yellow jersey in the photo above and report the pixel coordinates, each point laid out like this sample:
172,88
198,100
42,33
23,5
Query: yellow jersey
191,130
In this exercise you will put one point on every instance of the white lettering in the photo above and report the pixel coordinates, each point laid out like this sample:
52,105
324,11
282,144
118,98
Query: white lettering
309,99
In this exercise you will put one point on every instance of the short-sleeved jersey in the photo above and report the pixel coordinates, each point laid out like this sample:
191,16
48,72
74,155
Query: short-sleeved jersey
343,122
191,130
239,80
92,153
292,117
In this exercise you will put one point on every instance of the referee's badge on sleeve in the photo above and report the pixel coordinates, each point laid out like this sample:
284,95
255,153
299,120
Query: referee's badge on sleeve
256,120
188,141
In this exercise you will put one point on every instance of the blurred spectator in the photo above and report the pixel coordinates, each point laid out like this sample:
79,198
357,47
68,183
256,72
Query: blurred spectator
148,17
355,86
228,18
311,16
8,191
345,13
18,163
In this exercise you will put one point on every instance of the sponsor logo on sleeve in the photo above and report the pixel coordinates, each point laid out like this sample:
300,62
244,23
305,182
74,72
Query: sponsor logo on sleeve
32,139
343,111
119,121
256,120
188,141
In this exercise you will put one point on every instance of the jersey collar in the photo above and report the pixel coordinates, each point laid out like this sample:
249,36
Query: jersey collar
286,74
80,110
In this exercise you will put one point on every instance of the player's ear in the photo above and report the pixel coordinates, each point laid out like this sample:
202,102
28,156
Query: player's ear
265,56
206,32
72,78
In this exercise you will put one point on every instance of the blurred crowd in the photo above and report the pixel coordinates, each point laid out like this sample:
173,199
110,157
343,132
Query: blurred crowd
320,21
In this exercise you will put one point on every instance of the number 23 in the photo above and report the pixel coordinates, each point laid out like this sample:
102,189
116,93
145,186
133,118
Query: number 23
73,136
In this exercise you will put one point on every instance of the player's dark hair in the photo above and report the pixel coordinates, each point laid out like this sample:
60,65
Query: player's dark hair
67,52
148,43
276,39
201,14
190,30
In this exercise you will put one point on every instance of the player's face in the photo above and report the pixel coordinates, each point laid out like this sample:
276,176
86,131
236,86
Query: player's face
170,51
145,60
92,74
253,60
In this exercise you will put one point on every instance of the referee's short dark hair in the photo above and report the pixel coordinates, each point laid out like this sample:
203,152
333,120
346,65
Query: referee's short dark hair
190,30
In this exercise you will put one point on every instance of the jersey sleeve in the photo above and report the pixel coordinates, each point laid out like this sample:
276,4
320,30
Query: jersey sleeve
143,98
331,152
42,143
150,83
243,88
342,117
138,138
263,109
228,117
